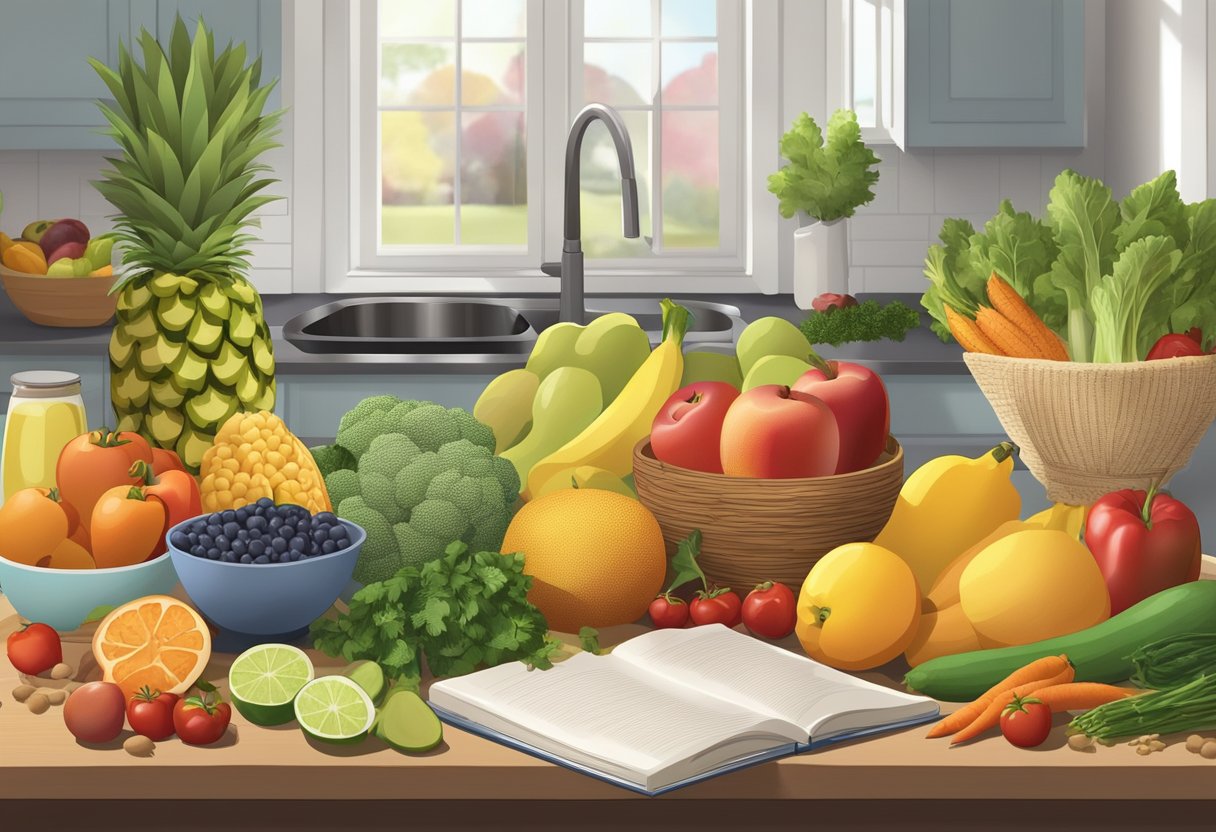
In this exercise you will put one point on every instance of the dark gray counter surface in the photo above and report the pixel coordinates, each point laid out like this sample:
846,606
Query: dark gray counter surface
920,353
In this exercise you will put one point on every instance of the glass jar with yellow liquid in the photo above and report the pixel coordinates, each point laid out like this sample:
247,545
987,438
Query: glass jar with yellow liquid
45,413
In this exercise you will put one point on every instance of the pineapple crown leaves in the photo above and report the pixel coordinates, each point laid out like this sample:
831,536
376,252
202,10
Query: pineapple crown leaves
828,180
191,127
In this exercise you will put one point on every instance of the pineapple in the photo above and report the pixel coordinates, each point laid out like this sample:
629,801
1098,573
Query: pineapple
190,345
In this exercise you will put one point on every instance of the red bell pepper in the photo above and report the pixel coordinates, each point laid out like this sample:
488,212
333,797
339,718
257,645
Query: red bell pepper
1179,345
1143,543
177,491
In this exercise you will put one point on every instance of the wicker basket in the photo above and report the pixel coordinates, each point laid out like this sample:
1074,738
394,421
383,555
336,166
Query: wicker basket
1087,429
61,301
756,530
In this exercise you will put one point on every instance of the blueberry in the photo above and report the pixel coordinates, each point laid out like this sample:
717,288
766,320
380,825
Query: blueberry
223,543
298,544
227,516
326,517
198,526
198,551
275,522
206,541
320,535
228,557
287,530
180,540
230,529
262,559
343,543
238,547
192,537
337,532
256,547
328,547
265,502
279,545
213,554
256,524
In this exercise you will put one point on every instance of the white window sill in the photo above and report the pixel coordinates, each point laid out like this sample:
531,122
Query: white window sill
533,281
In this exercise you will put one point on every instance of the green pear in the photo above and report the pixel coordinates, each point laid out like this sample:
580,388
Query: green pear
98,251
770,336
63,267
506,406
775,369
612,346
711,366
554,348
567,401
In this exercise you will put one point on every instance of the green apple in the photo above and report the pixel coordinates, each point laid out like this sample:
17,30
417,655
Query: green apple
775,369
98,251
711,366
770,336
63,267
34,231
81,266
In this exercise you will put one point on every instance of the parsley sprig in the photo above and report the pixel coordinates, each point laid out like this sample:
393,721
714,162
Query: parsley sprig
461,612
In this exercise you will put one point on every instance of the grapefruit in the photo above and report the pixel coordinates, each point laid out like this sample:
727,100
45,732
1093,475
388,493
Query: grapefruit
596,557
156,641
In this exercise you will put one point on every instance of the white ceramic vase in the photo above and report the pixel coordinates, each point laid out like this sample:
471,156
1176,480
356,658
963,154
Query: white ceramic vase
821,260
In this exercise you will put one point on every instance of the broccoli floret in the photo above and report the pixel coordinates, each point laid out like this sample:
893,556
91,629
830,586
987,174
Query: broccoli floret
471,429
411,482
342,484
378,492
330,458
416,548
388,454
356,435
380,557
439,519
430,426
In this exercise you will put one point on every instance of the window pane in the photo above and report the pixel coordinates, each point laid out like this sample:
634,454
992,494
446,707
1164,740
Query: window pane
865,61
417,18
417,73
690,180
493,19
616,18
493,73
618,73
601,193
690,73
690,18
417,164
493,180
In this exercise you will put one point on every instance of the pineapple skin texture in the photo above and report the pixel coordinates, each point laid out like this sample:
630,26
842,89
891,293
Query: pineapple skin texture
186,354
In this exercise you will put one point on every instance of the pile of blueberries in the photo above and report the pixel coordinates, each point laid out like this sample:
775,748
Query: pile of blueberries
262,533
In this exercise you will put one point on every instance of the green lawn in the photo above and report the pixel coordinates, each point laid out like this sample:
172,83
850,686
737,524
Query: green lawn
508,225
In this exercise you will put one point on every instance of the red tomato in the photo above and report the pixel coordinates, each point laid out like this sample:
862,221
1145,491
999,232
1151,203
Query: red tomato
95,462
202,719
1026,722
688,429
770,610
165,460
35,649
150,713
668,611
1176,345
718,607
858,398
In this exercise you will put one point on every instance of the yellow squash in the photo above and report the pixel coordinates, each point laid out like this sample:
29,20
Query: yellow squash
946,506
608,441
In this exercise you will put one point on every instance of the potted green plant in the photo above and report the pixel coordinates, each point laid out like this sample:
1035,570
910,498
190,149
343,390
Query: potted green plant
823,184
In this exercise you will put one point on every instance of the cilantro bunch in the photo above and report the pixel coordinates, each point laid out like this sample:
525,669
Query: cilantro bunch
867,321
826,180
461,612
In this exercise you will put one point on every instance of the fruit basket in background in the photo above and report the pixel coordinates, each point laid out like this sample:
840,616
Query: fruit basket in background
756,530
60,301
1085,430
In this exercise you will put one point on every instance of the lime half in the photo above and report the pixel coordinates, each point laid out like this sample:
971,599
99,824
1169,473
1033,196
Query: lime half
264,681
334,709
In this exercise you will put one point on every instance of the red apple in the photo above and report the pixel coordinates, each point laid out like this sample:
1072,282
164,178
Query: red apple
858,398
773,432
63,231
688,430
68,250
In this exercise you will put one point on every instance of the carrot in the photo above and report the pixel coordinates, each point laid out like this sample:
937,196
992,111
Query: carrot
1044,668
1001,331
1078,696
1008,302
968,334
991,716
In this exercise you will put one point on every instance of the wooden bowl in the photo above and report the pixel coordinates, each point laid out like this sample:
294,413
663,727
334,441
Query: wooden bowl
61,301
755,530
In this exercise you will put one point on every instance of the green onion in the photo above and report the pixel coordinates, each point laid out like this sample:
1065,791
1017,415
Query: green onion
1190,707
1175,661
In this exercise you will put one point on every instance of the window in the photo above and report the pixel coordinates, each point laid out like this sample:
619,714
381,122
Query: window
451,156
873,58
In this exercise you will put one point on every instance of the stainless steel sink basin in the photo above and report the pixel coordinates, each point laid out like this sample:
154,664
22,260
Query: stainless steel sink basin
463,326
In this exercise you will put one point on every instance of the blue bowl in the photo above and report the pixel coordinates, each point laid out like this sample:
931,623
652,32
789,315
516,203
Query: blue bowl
63,598
266,602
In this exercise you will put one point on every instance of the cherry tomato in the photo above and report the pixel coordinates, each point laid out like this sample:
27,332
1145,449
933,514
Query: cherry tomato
770,610
668,611
150,713
721,606
1026,722
35,649
201,719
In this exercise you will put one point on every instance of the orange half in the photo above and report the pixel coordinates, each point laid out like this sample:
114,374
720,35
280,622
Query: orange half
156,641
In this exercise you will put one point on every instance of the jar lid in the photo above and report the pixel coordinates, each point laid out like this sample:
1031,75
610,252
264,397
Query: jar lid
44,378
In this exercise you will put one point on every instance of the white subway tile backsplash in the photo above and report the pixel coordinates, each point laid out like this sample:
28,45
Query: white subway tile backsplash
1021,181
888,253
873,226
916,182
886,190
965,183
895,279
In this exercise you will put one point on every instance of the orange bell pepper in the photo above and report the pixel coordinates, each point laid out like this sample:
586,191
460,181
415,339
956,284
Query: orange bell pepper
176,490
32,524
126,527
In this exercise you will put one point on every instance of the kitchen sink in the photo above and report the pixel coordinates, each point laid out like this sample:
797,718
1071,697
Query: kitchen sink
449,325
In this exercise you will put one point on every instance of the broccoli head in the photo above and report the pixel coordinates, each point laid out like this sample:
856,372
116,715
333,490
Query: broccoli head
330,458
421,476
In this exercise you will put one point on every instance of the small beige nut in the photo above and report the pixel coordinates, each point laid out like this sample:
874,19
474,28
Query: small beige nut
1208,752
61,671
1080,742
23,692
1195,742
55,696
1108,742
1156,745
1143,750
38,703
139,746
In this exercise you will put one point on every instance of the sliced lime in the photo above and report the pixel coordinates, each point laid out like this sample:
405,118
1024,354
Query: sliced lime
334,709
408,724
369,676
264,681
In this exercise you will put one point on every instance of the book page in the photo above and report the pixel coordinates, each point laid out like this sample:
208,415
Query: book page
607,714
768,679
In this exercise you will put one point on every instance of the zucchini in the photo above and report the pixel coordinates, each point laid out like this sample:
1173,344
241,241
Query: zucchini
1101,653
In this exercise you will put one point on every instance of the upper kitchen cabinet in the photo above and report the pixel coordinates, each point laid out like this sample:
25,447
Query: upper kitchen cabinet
995,73
48,92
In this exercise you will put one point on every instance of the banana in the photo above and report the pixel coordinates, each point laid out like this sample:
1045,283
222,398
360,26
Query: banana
608,441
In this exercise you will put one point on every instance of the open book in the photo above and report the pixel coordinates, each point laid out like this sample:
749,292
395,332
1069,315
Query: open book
673,706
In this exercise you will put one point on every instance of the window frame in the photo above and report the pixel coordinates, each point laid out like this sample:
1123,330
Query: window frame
751,267
888,71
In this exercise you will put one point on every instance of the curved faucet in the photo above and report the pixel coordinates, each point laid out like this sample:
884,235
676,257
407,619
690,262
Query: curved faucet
570,305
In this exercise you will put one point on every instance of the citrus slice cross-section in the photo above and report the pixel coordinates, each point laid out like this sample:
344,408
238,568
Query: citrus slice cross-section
334,709
155,641
264,681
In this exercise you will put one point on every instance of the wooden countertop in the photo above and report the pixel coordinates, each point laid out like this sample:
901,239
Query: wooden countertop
41,760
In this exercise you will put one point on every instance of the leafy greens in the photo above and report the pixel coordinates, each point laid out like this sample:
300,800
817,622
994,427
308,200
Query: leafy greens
1110,278
827,180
